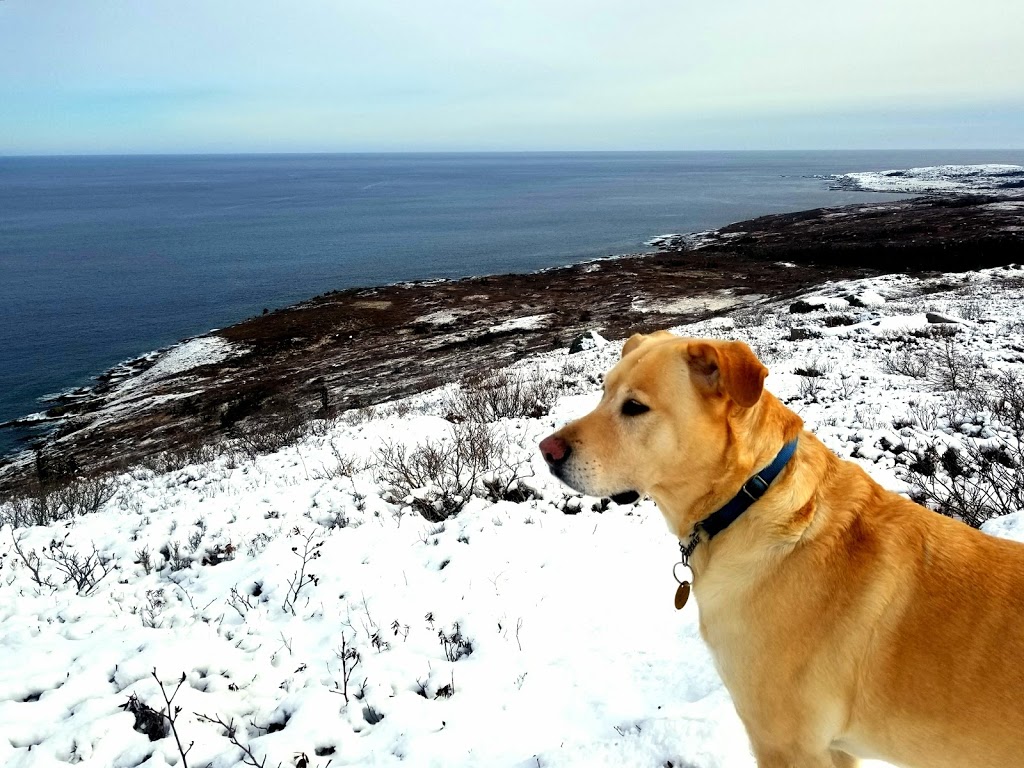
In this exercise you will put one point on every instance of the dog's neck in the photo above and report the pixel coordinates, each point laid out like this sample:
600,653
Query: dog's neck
752,490
766,435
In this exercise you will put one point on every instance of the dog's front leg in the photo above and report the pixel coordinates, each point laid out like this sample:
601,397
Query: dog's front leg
802,758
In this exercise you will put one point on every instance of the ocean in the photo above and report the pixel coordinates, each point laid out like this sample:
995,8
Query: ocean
105,258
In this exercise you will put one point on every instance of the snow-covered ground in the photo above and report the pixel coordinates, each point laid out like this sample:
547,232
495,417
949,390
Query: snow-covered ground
514,634
938,179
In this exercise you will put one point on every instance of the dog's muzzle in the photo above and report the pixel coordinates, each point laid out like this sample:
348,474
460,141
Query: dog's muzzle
556,453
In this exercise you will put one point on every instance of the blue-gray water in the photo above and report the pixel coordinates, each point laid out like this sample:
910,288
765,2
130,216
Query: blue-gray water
105,258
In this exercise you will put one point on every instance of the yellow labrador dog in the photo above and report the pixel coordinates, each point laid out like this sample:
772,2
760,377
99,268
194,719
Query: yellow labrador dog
845,620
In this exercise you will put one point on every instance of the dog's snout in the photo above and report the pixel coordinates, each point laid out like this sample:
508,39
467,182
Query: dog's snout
555,450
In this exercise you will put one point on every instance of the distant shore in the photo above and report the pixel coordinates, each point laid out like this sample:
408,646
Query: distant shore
355,348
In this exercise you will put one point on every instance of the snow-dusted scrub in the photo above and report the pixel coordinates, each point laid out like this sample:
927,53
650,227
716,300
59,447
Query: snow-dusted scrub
437,478
978,474
502,395
43,500
307,606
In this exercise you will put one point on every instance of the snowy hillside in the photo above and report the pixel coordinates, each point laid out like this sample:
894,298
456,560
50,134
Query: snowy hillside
957,179
318,619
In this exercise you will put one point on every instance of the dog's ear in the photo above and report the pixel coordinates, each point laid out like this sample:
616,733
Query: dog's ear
632,343
637,339
727,368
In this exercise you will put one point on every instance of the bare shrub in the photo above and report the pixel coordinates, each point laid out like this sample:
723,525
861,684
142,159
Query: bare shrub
814,368
231,734
84,570
502,395
17,513
936,331
846,387
31,560
267,435
812,379
356,416
349,657
571,373
751,317
504,469
311,544
454,643
344,465
767,352
973,483
188,453
905,361
170,713
983,477
952,369
973,310
176,556
42,502
924,415
834,321
437,478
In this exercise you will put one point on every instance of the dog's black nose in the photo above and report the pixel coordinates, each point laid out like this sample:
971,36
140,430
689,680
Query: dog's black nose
555,450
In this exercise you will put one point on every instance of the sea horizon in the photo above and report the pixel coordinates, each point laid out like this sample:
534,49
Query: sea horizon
414,152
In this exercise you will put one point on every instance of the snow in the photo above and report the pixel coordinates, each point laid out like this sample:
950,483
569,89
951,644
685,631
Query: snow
528,323
871,298
712,302
937,178
691,241
441,317
826,302
578,657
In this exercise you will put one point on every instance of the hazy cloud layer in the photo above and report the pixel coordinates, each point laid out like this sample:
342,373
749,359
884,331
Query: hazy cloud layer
227,75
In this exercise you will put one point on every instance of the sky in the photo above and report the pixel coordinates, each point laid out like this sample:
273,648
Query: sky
139,76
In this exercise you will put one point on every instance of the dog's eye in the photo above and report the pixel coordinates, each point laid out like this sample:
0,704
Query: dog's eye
633,408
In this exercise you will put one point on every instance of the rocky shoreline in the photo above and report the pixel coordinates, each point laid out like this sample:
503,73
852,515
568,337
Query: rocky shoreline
356,348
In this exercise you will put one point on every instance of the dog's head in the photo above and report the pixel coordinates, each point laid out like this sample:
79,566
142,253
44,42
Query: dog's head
674,423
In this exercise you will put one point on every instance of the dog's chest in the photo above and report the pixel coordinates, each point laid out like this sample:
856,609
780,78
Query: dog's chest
730,646
737,631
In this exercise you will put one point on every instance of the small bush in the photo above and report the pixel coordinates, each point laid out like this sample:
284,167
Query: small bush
905,362
437,478
812,379
834,321
42,503
502,395
85,571
454,643
953,369
982,477
755,317
194,451
344,466
259,436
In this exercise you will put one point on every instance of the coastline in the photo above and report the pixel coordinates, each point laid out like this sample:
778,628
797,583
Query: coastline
617,207
360,347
